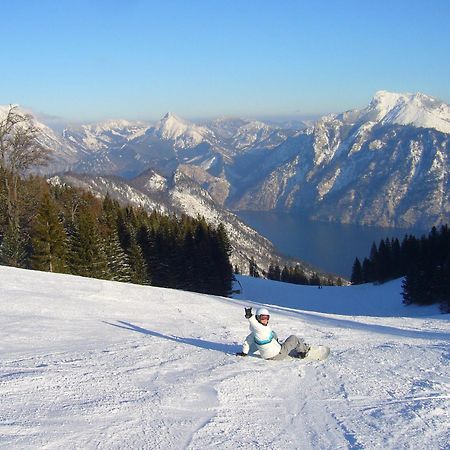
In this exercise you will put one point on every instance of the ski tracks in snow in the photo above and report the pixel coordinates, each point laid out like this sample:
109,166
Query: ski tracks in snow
396,379
157,391
148,392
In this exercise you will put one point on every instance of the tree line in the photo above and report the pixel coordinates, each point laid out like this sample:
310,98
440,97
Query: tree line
424,262
290,274
64,229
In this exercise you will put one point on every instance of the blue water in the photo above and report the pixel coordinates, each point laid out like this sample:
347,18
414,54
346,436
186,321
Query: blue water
331,247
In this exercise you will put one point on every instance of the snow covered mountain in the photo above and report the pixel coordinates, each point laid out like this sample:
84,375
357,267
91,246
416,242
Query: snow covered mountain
418,110
102,136
127,149
387,164
100,145
183,133
90,364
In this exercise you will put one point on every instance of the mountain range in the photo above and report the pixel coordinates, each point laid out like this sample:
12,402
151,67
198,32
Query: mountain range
386,164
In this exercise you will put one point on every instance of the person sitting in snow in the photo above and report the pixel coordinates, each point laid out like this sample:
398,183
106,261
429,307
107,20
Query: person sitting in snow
265,340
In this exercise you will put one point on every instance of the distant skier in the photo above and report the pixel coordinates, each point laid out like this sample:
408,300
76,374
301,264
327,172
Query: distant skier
265,340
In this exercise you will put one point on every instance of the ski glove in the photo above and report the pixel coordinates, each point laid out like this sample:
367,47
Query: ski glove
248,313
241,354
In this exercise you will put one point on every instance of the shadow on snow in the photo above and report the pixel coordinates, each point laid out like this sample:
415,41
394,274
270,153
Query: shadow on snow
327,322
217,346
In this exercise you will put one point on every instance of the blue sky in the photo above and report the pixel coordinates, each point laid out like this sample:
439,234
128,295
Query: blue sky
98,59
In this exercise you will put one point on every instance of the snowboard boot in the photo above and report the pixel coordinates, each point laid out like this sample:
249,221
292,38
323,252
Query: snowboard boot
304,354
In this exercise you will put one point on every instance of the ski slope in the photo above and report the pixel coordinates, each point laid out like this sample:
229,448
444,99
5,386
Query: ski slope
94,364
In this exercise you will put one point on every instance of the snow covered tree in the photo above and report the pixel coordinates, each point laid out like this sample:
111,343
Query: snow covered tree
118,264
117,261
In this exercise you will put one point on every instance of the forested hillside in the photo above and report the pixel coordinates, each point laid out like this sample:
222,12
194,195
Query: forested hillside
66,230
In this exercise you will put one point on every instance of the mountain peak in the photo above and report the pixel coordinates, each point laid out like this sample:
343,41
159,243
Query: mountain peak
419,110
171,116
186,134
171,126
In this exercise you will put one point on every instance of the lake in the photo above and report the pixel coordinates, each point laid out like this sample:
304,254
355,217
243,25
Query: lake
331,247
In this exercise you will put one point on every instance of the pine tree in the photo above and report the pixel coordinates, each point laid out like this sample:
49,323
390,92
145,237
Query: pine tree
117,260
357,272
285,275
397,266
295,275
221,248
12,247
253,268
189,279
274,272
374,268
87,257
204,260
384,261
139,272
49,239
367,271
315,280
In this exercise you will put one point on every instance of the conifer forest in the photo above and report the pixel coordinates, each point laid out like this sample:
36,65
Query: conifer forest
424,262
66,230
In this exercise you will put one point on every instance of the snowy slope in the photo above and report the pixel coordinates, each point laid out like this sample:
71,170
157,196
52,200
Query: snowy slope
94,364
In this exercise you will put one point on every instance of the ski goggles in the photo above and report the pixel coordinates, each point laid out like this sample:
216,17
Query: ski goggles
264,316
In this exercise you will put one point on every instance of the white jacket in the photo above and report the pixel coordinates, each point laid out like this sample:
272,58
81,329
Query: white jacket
261,338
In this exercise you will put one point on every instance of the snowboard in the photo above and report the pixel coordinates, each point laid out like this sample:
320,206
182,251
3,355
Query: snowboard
317,353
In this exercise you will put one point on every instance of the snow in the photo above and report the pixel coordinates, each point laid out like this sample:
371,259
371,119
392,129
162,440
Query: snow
419,110
156,182
185,134
88,363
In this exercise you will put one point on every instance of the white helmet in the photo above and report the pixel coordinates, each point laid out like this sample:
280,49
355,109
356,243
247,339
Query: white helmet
262,312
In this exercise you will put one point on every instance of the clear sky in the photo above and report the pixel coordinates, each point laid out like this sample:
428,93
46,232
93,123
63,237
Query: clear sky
96,59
